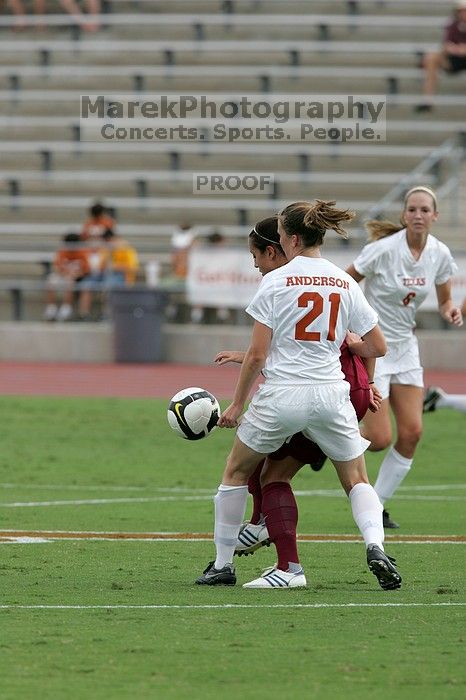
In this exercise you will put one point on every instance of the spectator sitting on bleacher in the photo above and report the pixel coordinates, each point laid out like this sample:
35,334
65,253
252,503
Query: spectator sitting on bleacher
99,220
18,10
120,260
117,267
86,21
70,268
451,59
181,241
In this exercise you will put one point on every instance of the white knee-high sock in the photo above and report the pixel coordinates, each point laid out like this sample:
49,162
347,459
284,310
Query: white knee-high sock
230,506
391,473
367,513
457,401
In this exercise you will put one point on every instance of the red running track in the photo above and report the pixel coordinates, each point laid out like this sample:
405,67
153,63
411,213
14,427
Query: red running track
145,381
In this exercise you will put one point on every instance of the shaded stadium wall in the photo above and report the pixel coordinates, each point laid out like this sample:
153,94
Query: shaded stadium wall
39,342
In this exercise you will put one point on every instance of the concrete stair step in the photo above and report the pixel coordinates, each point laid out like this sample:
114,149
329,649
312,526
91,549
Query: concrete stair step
100,189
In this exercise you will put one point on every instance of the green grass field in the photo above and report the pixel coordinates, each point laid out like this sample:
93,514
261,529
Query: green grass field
117,619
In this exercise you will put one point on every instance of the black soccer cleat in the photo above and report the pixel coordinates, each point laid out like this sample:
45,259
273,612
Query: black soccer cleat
217,577
318,463
383,567
432,395
388,523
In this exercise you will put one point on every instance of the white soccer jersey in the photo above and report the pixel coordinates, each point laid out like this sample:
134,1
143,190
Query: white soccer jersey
309,304
397,284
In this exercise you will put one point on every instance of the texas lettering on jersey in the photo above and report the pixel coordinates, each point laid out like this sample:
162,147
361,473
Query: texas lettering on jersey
414,281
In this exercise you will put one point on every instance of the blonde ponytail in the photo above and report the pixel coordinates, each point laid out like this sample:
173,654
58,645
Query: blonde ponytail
381,229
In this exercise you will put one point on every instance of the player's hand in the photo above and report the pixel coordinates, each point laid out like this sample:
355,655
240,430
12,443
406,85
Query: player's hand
454,316
225,356
352,338
230,417
375,400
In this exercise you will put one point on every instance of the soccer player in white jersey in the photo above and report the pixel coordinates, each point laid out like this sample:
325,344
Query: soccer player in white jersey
400,266
301,312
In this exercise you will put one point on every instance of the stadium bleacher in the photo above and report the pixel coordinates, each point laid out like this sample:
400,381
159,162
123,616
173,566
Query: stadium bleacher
49,177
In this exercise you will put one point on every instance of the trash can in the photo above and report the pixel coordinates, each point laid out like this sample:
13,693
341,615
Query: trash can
137,324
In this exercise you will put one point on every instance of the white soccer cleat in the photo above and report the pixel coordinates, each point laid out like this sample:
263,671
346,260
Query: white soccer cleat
252,537
276,578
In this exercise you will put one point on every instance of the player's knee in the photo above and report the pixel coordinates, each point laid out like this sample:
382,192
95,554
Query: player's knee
237,471
409,436
379,442
379,436
378,446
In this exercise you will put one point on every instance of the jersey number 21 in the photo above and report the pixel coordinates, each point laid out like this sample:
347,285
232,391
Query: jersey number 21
317,308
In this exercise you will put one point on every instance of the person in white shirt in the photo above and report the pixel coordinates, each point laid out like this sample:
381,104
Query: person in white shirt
301,312
400,266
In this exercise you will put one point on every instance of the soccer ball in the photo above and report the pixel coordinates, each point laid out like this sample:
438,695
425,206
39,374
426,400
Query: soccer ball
193,413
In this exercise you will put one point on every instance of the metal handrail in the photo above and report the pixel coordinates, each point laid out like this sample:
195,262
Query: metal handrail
450,150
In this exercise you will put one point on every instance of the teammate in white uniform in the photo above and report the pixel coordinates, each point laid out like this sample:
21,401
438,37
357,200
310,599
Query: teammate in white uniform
301,313
435,398
400,267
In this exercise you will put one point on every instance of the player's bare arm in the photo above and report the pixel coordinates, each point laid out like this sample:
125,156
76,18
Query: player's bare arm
447,308
351,270
253,363
372,344
225,356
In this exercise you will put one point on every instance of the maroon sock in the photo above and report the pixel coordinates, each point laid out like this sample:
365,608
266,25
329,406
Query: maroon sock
255,489
281,517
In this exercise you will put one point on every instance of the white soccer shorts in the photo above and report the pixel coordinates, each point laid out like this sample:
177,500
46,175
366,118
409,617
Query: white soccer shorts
322,411
401,365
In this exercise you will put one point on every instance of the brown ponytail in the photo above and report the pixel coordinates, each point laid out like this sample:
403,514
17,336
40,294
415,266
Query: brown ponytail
311,221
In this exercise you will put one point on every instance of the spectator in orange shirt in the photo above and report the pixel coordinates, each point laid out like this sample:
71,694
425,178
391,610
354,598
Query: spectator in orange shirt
70,268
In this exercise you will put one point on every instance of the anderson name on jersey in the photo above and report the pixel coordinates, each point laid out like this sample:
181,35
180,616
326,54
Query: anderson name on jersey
309,303
396,283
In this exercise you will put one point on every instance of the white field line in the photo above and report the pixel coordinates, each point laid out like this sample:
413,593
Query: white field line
44,536
433,487
233,606
338,493
431,498
103,501
73,487
41,540
187,490
180,498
